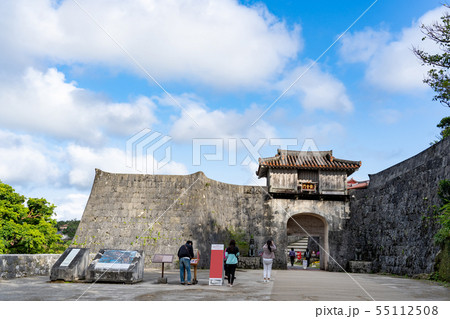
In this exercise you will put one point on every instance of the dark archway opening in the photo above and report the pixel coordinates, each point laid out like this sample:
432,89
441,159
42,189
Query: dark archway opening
314,229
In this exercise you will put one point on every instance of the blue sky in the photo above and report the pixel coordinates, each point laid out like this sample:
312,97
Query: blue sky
77,80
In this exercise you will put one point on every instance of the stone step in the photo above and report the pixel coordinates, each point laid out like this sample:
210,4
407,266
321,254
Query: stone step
300,245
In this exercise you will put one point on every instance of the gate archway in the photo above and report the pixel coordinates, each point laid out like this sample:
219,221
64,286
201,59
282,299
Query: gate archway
310,225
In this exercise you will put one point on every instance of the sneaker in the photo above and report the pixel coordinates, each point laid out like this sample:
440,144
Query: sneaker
231,286
189,283
182,283
265,280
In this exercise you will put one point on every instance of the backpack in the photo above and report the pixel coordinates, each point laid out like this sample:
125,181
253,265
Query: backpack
181,251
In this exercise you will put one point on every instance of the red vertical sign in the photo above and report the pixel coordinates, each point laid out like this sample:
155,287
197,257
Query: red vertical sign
216,265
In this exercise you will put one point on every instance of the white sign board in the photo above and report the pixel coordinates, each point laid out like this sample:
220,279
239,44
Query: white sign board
70,257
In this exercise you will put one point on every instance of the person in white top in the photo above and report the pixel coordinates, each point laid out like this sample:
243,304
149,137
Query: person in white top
268,256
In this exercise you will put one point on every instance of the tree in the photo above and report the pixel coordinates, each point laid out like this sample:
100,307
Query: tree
444,212
27,229
444,125
439,74
72,226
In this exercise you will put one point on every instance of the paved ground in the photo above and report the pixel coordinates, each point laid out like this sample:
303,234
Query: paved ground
301,285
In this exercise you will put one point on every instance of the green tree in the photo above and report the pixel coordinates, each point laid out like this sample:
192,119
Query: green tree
438,76
27,228
444,125
72,226
444,212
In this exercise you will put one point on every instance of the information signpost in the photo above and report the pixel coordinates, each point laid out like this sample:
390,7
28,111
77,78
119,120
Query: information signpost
194,264
216,266
162,258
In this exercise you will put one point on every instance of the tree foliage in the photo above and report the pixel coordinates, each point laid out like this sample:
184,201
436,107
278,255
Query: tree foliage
439,75
444,125
27,226
444,212
72,226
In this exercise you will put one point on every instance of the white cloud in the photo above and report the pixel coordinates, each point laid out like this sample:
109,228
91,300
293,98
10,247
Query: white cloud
317,90
250,170
25,161
198,121
321,133
362,46
84,160
220,43
45,103
387,116
391,64
71,206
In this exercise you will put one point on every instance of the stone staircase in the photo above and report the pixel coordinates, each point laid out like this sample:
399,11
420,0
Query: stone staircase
299,245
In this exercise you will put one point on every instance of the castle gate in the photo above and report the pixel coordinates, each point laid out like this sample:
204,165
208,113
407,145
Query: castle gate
310,225
308,196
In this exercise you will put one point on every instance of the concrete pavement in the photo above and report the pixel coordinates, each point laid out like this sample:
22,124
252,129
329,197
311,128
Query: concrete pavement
301,285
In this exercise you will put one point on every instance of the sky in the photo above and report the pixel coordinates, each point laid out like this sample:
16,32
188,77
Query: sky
176,87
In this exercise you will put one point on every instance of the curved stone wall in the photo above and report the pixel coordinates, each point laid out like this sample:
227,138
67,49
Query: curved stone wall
158,213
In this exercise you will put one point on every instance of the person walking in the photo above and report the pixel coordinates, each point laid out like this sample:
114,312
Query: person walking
232,254
292,256
268,256
185,253
307,256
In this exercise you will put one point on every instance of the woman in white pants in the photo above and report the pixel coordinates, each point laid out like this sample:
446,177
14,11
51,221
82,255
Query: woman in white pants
268,256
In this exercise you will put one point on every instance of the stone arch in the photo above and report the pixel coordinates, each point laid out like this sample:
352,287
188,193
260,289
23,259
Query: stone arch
311,225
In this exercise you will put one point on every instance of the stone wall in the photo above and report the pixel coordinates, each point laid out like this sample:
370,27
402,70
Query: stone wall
393,219
250,263
158,213
15,266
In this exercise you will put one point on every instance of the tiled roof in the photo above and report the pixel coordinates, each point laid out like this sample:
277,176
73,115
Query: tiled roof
306,160
353,184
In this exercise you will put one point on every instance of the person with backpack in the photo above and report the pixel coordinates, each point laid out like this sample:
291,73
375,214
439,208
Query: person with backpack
185,253
292,256
232,254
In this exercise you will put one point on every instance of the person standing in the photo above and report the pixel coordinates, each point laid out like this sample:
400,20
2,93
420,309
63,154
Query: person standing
268,256
232,254
185,253
292,256
307,256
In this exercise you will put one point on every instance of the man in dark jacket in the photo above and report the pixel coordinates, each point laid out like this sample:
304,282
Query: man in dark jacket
185,253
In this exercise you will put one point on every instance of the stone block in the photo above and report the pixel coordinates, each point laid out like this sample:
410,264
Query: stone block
117,266
250,263
361,267
71,266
